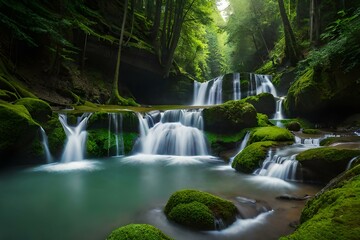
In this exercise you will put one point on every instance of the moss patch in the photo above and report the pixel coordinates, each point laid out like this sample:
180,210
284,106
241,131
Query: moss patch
252,156
263,120
229,117
263,103
38,109
323,164
184,203
333,214
332,140
270,134
293,126
311,131
137,231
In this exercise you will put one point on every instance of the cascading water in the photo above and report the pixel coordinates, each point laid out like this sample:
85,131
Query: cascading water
179,132
242,146
45,143
115,123
236,86
283,167
215,93
279,110
264,85
76,138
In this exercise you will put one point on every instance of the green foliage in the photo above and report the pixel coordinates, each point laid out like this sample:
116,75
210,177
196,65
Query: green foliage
252,156
272,133
137,231
333,214
229,117
38,109
193,215
201,204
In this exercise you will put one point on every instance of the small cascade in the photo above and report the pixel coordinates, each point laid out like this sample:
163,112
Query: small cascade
45,143
308,141
179,132
264,85
279,109
283,167
115,124
215,93
242,146
200,93
236,86
351,162
76,138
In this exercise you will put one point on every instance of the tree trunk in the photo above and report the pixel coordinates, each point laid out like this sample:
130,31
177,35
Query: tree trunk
115,97
291,49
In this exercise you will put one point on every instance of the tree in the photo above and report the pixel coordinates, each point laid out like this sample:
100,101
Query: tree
292,52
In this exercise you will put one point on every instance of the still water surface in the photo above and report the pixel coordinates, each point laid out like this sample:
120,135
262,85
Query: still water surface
88,199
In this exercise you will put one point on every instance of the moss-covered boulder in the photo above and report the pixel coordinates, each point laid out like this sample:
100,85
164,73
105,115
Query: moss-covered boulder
323,164
343,139
19,135
272,133
263,103
293,126
38,109
311,131
263,120
252,156
229,117
137,231
334,212
199,210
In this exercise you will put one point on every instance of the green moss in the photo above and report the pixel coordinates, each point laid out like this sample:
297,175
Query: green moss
263,103
334,213
229,117
193,215
38,109
270,134
332,140
7,96
251,157
137,232
263,120
184,201
56,135
311,131
323,164
293,126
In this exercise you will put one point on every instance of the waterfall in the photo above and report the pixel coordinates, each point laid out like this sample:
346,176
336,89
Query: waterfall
264,85
45,143
308,141
279,110
351,162
76,138
200,93
179,132
215,93
283,167
236,86
115,123
242,146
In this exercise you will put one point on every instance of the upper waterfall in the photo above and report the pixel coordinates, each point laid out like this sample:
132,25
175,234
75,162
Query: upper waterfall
220,90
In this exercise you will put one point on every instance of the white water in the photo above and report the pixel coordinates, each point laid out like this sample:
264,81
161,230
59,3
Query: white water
215,93
279,115
179,133
264,85
283,167
351,162
115,123
242,146
236,86
45,143
76,138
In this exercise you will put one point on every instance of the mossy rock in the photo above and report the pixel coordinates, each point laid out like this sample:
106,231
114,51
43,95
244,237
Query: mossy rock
251,158
56,135
38,109
271,134
98,120
19,135
229,117
323,164
293,126
334,212
311,131
345,139
7,96
137,232
263,120
199,210
264,103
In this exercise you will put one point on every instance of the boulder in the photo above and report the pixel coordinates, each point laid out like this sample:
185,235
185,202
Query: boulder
38,109
229,117
200,210
263,103
272,133
137,231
